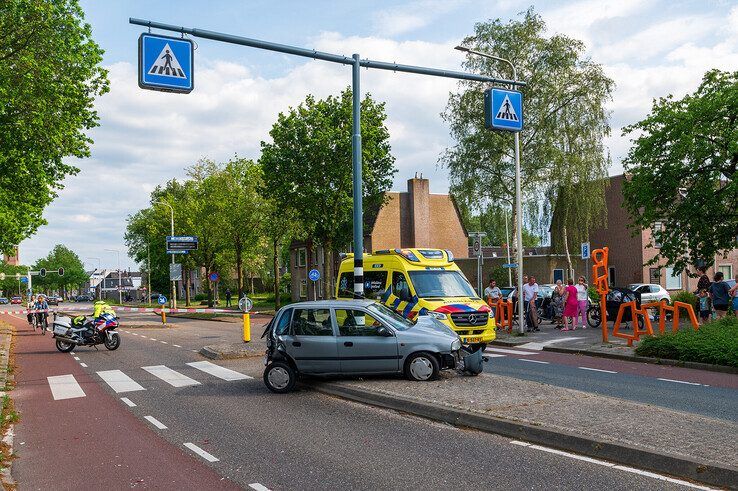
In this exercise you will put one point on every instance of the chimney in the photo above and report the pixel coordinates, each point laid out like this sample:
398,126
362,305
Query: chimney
419,191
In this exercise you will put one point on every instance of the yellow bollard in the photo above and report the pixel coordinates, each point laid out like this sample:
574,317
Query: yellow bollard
246,327
163,317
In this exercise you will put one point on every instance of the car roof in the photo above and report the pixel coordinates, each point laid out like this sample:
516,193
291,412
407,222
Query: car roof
333,303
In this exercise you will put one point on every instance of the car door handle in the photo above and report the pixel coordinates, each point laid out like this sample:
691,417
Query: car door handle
296,343
348,343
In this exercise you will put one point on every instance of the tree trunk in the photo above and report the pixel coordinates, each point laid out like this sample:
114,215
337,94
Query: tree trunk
568,256
277,292
251,282
327,271
188,281
239,266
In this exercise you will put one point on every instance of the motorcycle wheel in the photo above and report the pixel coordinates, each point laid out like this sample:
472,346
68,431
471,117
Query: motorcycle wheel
64,346
112,342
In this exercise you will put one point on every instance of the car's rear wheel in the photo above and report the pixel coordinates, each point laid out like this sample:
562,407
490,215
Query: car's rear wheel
280,377
421,367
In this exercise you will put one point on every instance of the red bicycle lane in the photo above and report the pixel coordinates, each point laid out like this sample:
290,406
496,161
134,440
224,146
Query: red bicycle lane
90,441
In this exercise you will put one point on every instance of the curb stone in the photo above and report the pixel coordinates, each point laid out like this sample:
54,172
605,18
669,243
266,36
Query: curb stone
663,463
6,332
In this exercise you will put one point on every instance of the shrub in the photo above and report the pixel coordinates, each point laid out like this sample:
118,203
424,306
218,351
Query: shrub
684,296
199,297
593,295
715,343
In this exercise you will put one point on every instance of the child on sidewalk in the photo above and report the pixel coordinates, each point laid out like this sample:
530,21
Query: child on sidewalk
704,306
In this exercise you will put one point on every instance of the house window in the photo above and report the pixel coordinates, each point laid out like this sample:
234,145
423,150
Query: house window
673,279
558,274
727,270
611,275
656,230
654,275
301,257
303,288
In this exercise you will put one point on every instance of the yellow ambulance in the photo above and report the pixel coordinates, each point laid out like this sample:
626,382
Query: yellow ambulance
416,282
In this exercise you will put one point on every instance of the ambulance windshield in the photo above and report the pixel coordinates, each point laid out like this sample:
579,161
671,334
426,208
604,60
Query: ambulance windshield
439,283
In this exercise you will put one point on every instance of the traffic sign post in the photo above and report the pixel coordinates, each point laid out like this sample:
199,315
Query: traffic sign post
586,252
503,110
162,300
477,251
245,305
314,276
181,244
165,63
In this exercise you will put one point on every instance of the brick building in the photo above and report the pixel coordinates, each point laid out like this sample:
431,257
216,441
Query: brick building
415,218
628,252
12,258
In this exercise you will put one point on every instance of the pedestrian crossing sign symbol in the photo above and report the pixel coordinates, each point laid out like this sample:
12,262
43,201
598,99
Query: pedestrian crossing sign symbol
165,63
503,109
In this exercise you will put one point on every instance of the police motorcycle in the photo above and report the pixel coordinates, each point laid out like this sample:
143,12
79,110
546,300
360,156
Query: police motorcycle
71,332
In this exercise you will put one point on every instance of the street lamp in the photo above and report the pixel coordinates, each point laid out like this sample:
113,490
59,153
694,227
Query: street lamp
120,279
174,283
518,206
98,268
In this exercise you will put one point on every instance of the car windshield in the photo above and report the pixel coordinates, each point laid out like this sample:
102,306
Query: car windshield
435,283
391,317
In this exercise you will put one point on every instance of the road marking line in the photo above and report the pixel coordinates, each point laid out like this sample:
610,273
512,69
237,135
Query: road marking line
155,422
538,346
65,387
152,339
163,342
677,381
218,371
76,358
119,381
494,355
258,487
175,379
596,370
128,402
194,351
84,365
534,361
510,351
660,477
202,453
176,346
72,353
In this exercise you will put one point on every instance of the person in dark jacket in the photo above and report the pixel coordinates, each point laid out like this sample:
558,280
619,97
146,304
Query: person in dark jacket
720,295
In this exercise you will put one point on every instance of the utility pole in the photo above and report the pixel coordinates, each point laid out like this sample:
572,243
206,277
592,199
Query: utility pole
478,251
174,283
148,275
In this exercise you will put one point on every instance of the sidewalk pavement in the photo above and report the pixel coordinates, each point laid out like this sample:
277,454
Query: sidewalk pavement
658,439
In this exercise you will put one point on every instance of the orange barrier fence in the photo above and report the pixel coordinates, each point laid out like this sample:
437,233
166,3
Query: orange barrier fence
642,313
503,314
600,276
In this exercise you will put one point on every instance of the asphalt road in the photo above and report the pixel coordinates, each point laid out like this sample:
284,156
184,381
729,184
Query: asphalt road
302,440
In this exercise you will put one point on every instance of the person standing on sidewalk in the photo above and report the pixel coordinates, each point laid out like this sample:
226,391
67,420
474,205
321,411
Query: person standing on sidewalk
720,295
530,295
557,300
570,305
492,295
228,297
582,303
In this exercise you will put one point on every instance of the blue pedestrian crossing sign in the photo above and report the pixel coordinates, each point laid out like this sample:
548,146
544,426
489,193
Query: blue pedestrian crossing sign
165,63
503,109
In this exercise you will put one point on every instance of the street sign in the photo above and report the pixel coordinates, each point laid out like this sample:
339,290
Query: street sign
180,244
165,63
24,279
245,304
162,300
510,265
61,271
214,276
314,275
503,110
585,250
175,272
42,272
477,246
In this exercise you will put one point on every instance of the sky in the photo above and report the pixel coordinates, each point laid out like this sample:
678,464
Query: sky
651,48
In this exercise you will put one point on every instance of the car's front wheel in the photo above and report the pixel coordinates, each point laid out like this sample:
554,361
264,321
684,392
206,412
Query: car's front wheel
280,377
421,367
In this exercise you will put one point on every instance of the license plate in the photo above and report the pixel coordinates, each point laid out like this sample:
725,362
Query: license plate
477,339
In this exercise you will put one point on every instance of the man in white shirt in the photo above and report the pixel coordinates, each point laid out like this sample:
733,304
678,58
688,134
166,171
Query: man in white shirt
492,294
530,294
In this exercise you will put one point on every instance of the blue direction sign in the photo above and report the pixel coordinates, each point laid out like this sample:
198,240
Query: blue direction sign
162,300
314,275
503,109
165,63
510,265
24,279
181,244
585,250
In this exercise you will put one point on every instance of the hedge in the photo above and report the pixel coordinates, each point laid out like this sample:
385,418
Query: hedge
715,343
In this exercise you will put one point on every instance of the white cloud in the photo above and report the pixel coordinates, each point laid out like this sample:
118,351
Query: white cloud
411,16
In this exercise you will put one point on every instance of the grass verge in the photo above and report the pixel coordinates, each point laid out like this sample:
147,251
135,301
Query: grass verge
715,343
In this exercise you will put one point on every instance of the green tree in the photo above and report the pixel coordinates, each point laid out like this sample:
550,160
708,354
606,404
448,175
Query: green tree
60,257
49,78
683,172
307,167
561,144
11,285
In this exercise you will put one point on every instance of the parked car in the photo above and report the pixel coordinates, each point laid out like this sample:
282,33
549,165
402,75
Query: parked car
4,300
650,292
52,300
354,337
16,299
83,298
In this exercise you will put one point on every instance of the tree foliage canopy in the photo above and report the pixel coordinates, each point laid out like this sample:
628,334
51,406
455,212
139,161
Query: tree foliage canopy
49,78
683,172
565,122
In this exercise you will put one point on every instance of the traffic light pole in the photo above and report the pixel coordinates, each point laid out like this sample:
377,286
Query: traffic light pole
355,62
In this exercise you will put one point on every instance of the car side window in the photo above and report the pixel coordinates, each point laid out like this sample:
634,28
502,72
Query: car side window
284,323
351,324
311,322
654,289
400,286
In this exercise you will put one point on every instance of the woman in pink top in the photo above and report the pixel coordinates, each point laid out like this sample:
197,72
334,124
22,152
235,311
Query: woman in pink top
570,305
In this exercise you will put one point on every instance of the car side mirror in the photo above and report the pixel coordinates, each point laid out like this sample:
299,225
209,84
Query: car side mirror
384,332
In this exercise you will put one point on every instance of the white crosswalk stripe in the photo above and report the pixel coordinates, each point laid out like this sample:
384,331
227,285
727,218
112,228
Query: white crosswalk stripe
119,381
175,379
509,351
65,387
218,371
